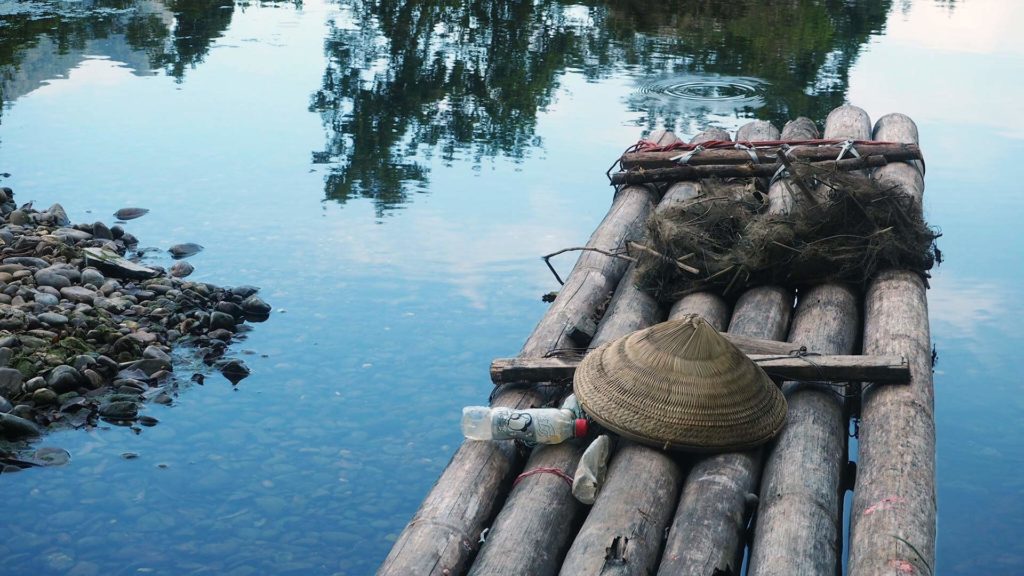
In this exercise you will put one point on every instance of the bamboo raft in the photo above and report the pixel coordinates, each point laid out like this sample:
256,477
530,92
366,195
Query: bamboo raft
775,510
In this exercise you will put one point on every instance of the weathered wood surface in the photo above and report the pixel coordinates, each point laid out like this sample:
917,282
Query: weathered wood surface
707,305
708,532
442,537
798,525
683,192
894,495
595,275
748,170
534,528
757,130
893,152
623,533
837,368
782,195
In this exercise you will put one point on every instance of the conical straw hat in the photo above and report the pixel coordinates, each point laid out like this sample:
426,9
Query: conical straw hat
681,385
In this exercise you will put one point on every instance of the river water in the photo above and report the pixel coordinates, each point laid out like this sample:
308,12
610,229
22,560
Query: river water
390,172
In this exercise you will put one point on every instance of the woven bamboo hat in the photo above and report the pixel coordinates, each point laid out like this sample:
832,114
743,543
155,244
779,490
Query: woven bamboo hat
681,385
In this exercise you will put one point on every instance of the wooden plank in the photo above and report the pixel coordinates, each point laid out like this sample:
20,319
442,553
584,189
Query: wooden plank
748,170
893,516
708,532
443,536
894,152
835,368
799,523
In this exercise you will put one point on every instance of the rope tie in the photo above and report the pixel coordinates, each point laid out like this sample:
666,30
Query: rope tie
684,159
542,470
750,150
848,149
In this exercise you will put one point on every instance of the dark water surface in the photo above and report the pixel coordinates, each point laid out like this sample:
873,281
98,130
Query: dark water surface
389,173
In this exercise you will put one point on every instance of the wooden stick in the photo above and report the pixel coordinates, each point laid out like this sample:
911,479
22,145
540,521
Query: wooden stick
834,368
799,518
443,536
893,516
894,152
748,170
709,530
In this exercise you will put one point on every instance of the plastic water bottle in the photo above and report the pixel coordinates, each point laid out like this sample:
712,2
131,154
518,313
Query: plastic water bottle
533,426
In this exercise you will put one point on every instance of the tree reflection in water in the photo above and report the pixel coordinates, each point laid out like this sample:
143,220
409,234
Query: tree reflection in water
465,79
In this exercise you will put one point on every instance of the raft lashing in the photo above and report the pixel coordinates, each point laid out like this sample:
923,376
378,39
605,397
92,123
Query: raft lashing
502,508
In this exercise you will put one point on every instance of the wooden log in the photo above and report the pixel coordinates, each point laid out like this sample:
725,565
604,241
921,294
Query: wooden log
444,533
892,151
707,305
835,368
893,516
533,530
710,135
757,130
782,196
800,515
747,170
623,533
798,527
442,537
683,192
708,533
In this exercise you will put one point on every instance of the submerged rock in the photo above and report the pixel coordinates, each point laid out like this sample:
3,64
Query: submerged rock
184,250
130,213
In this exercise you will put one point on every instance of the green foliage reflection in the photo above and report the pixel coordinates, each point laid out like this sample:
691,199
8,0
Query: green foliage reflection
408,79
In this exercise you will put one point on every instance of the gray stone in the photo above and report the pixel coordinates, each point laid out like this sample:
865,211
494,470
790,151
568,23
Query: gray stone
10,382
34,384
93,276
184,250
130,213
53,319
15,427
44,397
27,261
222,321
18,217
64,378
119,410
150,366
234,370
156,353
60,216
5,405
48,277
11,318
244,291
94,378
72,234
181,269
101,232
46,299
113,263
78,294
256,306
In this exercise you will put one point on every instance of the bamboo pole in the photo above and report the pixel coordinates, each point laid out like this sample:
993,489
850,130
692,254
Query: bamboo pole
443,535
799,518
893,516
530,535
708,532
781,194
893,151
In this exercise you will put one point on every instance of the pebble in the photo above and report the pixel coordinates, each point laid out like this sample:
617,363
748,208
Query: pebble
184,250
256,306
235,371
5,405
64,378
78,294
130,213
101,232
53,319
10,382
222,320
119,410
44,396
50,278
93,276
181,269
45,299
14,427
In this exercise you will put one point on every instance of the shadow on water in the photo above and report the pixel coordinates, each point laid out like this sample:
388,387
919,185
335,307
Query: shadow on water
407,80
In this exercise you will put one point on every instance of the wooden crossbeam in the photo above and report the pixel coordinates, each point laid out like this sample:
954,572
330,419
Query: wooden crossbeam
802,366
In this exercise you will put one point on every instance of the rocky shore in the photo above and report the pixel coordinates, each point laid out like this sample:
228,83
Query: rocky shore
86,331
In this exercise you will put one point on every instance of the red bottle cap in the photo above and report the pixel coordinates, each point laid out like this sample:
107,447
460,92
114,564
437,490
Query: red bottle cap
581,428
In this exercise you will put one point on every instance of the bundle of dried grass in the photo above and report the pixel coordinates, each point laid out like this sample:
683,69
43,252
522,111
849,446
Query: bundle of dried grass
849,229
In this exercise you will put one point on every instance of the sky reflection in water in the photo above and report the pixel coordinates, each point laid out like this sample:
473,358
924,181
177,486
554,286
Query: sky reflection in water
389,174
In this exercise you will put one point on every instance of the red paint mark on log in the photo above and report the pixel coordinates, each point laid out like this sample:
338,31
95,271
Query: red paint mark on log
885,504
